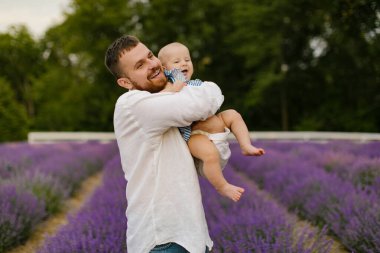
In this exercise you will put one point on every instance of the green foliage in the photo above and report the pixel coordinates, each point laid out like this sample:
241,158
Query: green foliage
76,48
60,98
323,90
21,61
20,217
284,65
205,27
13,118
6,243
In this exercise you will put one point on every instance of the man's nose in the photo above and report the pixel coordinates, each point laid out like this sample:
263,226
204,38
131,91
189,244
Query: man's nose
152,63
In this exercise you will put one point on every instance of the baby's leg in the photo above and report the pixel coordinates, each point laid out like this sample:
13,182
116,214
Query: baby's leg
213,124
233,120
202,148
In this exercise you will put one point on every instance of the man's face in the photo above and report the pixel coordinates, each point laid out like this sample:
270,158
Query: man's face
141,70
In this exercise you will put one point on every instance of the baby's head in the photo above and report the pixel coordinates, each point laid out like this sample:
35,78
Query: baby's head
176,56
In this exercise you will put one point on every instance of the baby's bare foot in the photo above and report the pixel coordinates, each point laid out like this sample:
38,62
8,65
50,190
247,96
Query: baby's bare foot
231,191
252,151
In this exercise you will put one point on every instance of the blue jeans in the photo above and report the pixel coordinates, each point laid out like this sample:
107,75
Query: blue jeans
171,247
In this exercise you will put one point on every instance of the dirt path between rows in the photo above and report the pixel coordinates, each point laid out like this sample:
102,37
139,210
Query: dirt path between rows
300,224
53,223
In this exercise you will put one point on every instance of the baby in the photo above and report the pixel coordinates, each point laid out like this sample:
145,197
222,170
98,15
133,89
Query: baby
208,139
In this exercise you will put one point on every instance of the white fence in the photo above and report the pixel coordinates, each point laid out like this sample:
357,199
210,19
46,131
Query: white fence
315,136
49,137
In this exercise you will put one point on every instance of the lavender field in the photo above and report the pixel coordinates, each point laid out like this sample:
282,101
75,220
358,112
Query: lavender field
334,187
36,179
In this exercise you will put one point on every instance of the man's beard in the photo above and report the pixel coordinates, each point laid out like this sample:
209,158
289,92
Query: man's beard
151,87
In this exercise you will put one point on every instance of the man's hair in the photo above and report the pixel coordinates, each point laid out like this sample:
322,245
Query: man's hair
113,53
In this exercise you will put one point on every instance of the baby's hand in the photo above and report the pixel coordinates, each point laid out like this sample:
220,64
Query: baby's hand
174,87
179,85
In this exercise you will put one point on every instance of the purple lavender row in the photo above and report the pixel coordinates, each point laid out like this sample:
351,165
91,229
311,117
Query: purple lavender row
361,167
256,224
58,176
101,224
17,157
20,212
252,224
71,168
315,194
46,185
354,162
369,149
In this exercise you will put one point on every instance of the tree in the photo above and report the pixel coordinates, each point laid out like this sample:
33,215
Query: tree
283,65
21,62
78,45
312,61
13,116
349,67
62,100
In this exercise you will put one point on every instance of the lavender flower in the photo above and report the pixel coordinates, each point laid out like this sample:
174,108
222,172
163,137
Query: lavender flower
100,226
20,212
256,223
48,175
327,192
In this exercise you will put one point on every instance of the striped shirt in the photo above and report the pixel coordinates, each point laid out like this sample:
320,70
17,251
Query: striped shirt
173,76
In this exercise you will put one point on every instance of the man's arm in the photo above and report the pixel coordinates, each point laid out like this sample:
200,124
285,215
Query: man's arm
156,113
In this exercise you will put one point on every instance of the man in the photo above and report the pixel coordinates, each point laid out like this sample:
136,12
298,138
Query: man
165,211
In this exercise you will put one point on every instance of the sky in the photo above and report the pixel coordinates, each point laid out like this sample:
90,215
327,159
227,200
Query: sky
37,15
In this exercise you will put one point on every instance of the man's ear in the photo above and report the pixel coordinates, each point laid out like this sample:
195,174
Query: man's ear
125,83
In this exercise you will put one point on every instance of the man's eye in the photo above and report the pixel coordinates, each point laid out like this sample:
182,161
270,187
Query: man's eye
139,66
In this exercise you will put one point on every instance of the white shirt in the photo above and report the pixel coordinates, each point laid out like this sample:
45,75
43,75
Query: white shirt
163,193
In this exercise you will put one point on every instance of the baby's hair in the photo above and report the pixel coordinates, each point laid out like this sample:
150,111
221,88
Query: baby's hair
165,49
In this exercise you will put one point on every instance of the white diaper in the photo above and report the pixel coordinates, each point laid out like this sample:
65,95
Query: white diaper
222,145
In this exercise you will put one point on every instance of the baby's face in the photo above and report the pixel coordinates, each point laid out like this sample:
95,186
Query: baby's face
179,58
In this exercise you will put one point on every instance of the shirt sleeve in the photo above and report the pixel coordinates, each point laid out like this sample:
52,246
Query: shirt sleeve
158,112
